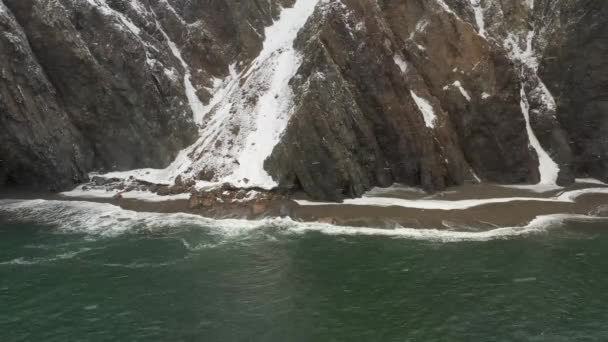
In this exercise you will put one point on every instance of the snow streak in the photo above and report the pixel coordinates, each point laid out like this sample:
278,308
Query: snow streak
426,109
251,109
479,20
548,168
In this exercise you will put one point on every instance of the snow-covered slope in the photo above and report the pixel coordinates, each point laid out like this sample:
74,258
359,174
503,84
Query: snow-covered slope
250,110
247,114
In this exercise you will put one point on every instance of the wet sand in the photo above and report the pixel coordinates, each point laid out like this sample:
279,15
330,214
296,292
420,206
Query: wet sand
485,216
521,207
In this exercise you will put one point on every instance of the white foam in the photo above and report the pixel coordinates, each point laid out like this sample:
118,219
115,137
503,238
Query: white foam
538,225
145,196
109,220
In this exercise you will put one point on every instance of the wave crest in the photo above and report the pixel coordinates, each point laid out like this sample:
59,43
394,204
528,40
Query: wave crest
109,220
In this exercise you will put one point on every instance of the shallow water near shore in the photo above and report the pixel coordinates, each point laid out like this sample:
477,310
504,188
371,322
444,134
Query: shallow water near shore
477,264
191,282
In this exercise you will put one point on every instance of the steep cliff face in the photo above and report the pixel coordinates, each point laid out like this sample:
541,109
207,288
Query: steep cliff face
575,69
330,97
99,91
39,145
415,96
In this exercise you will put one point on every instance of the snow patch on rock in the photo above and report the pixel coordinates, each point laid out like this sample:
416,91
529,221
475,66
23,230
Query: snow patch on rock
516,53
547,168
479,19
426,109
460,88
401,63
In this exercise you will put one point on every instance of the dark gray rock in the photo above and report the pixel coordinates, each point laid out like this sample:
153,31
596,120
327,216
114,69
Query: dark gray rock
356,124
575,68
39,145
88,87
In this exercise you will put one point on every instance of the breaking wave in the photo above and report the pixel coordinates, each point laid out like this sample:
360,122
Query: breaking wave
109,220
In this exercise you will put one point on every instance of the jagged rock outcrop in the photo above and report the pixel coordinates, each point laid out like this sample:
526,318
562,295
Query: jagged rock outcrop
330,97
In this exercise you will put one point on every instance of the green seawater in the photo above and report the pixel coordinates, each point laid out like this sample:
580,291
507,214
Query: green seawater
185,283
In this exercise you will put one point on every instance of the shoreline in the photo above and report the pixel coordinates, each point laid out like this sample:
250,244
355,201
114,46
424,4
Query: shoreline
470,207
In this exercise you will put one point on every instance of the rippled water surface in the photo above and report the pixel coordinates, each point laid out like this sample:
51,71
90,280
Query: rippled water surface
195,282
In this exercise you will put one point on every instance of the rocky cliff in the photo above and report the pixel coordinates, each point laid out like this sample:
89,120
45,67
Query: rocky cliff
331,97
